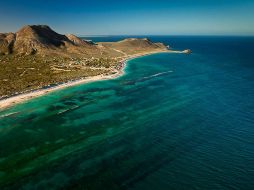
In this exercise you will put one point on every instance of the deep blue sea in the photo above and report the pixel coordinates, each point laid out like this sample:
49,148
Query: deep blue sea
173,121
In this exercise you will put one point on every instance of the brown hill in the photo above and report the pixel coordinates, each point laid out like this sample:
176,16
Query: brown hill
42,40
135,45
32,39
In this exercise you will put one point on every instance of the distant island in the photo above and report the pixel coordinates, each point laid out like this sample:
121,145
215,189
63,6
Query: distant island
36,60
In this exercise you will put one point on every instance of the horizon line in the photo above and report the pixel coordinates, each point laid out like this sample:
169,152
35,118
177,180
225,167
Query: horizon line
183,35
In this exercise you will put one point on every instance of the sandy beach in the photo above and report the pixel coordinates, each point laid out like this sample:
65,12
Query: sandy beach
8,102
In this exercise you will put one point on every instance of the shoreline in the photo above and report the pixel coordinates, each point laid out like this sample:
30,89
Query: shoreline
23,97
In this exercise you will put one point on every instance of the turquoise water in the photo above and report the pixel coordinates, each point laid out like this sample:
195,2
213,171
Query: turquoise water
173,121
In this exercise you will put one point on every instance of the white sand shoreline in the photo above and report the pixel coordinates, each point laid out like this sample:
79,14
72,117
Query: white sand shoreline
11,101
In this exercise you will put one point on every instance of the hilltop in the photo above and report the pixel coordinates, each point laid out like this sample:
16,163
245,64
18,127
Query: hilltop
36,56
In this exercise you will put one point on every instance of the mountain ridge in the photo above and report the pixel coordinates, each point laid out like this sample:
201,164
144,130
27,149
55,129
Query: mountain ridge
42,40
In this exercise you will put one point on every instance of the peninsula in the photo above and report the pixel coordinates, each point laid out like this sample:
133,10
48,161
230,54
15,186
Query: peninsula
36,60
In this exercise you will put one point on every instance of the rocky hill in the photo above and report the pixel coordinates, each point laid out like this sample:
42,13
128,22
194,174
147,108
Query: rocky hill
135,45
42,40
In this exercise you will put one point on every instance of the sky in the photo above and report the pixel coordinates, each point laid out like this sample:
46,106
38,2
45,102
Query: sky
132,17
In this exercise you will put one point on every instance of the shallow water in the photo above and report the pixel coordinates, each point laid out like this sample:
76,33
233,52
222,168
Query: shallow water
173,121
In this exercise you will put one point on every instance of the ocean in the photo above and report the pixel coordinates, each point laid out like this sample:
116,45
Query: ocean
172,121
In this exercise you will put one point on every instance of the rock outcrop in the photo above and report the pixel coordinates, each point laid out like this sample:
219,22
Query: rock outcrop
6,43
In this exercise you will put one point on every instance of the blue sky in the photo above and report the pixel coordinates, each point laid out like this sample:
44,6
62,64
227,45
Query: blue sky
140,17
